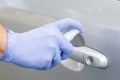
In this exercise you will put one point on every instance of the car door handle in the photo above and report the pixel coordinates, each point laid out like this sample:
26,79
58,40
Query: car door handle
86,55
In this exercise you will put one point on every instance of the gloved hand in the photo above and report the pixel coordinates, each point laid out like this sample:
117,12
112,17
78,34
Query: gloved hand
41,48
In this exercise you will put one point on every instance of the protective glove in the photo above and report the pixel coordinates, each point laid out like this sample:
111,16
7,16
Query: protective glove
41,48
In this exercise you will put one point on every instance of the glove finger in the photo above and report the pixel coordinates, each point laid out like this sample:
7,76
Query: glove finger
68,23
57,58
66,48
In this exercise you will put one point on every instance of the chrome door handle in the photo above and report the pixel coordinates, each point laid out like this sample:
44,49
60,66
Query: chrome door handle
89,57
86,55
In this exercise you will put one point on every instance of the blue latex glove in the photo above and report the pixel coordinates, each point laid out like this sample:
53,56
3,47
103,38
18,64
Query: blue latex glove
41,48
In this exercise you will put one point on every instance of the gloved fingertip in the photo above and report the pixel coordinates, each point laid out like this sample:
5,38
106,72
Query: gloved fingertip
82,30
69,23
64,56
66,50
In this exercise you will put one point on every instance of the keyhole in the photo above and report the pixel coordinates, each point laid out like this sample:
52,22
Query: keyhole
89,60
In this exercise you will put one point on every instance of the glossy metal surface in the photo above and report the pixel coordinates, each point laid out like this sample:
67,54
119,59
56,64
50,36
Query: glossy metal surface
102,32
84,54
89,57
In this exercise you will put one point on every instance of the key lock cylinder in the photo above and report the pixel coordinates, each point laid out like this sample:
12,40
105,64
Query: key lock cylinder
82,55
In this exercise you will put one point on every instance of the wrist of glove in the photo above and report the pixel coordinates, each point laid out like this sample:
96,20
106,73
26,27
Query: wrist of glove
41,48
